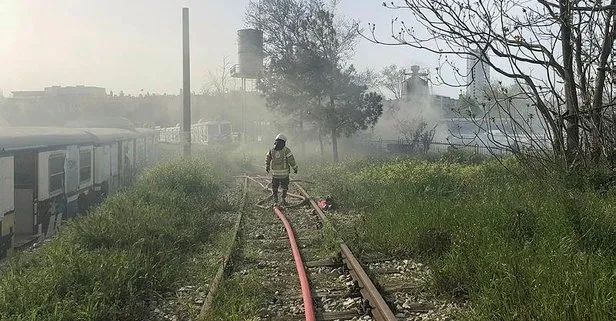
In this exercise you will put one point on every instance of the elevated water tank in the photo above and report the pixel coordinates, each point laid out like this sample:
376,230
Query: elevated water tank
250,53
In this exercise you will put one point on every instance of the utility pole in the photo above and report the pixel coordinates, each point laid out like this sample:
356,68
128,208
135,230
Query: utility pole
244,111
186,122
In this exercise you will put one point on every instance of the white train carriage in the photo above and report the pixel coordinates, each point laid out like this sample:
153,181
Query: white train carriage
7,204
150,150
49,175
43,161
107,154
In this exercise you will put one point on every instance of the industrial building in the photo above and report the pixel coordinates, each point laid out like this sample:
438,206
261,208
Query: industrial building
478,75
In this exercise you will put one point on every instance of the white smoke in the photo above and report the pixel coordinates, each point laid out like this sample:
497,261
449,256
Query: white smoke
409,114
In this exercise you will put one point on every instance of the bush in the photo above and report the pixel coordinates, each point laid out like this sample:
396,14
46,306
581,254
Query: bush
462,156
105,266
519,244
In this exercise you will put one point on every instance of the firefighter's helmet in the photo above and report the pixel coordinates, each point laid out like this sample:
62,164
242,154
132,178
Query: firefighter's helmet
281,137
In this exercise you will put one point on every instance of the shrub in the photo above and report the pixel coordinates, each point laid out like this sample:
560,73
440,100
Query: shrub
519,244
105,266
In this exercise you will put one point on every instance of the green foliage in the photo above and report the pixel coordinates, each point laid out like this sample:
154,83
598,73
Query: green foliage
519,245
104,266
467,107
462,156
238,298
306,76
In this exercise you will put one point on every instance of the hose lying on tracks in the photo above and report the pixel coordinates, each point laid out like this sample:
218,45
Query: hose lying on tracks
267,188
303,278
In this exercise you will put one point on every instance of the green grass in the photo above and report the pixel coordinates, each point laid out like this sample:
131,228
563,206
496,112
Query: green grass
519,245
104,266
240,298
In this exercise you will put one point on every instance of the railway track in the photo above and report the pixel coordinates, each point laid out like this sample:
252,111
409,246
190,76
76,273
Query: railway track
336,285
333,282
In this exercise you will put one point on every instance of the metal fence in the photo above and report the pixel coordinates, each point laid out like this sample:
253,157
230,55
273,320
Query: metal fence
174,134
401,146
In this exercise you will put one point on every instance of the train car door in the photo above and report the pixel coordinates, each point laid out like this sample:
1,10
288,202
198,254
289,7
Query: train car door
114,167
24,194
102,168
72,184
120,162
140,153
126,160
7,205
53,167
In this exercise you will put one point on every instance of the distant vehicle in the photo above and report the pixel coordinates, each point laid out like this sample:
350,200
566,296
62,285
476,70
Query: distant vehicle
203,132
219,131
50,175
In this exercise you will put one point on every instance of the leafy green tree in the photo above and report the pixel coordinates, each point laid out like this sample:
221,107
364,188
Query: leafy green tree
305,74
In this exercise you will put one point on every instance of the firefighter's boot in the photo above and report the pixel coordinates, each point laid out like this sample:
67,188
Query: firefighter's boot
275,197
284,197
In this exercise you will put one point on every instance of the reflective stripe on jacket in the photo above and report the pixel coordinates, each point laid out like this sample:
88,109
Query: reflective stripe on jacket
280,162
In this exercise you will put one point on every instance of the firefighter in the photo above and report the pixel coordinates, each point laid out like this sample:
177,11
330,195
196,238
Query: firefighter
279,160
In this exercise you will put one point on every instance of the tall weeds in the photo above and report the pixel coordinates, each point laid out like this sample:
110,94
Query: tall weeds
518,245
106,265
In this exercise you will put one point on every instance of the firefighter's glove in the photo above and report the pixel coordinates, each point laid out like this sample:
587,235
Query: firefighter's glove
295,170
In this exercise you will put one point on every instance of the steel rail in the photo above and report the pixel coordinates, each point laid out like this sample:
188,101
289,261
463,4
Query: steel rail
209,299
266,187
380,310
316,207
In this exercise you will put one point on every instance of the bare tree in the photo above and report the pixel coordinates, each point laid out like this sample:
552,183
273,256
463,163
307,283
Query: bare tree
218,82
417,134
392,79
559,52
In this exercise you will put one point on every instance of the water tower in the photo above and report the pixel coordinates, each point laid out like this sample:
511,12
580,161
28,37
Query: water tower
418,84
250,62
249,54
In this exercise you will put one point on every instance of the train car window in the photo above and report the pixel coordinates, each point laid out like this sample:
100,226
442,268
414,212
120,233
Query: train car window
85,165
56,173
25,169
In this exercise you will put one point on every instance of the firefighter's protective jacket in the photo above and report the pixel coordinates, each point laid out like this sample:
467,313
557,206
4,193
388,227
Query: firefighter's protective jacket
280,162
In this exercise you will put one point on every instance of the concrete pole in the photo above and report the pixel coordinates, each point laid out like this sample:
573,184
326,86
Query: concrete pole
245,130
186,121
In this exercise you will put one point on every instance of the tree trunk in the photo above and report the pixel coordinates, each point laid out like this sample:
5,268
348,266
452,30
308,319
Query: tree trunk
301,132
597,104
335,144
572,115
321,141
333,125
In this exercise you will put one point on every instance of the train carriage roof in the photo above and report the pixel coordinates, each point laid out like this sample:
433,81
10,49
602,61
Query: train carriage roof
101,122
15,138
111,134
20,138
146,131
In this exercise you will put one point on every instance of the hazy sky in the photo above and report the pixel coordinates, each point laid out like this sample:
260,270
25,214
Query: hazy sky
131,45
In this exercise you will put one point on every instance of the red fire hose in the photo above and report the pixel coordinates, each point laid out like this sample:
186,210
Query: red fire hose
303,279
